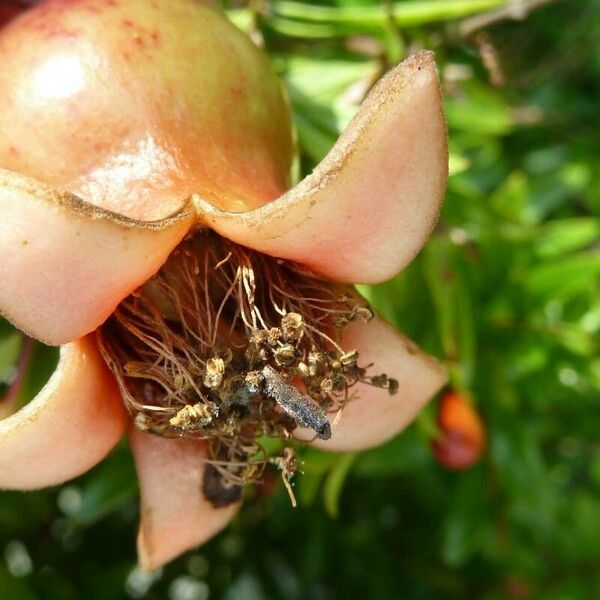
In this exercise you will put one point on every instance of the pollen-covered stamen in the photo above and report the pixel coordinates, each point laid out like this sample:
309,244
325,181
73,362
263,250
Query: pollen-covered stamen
228,344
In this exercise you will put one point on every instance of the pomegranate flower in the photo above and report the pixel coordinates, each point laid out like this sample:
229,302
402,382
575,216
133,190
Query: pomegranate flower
144,151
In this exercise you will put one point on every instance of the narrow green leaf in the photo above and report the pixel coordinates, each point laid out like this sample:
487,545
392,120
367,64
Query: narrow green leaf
335,482
564,277
405,14
454,312
566,235
107,488
9,353
314,141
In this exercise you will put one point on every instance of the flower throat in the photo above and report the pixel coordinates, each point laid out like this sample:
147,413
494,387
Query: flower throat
228,345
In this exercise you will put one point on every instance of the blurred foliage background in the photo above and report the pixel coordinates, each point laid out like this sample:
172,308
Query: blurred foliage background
507,292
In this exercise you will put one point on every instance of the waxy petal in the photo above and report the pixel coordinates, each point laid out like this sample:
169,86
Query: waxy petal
372,416
66,264
175,515
368,208
71,425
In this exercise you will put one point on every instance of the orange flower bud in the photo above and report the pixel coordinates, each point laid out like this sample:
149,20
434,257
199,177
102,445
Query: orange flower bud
462,432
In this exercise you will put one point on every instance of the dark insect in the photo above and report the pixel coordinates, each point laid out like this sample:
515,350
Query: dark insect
305,411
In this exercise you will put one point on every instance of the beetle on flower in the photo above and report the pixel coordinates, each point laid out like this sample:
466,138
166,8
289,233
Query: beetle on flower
145,150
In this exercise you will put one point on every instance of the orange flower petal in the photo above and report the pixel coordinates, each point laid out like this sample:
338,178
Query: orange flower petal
373,416
70,426
175,515
368,208
67,264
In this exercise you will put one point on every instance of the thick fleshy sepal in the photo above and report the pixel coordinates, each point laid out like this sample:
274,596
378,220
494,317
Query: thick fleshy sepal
66,264
373,416
369,206
175,515
71,425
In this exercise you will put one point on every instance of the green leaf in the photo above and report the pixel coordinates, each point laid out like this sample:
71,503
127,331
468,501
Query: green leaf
323,80
457,163
452,299
405,453
11,587
242,18
107,488
315,142
335,482
306,488
478,111
466,523
566,235
512,200
10,346
405,14
565,277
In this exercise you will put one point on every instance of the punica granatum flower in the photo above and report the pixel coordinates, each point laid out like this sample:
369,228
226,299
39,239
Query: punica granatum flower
145,149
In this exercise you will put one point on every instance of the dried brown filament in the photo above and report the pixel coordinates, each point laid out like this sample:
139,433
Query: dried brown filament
228,345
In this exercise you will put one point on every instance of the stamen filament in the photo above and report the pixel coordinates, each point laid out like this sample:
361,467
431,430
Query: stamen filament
217,346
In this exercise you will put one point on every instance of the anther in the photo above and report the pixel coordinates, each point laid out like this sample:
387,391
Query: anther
326,385
292,326
141,422
253,381
273,336
285,355
304,369
195,416
348,359
213,377
362,312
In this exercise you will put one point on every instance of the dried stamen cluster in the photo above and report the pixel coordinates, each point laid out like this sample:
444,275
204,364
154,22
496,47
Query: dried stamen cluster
228,345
